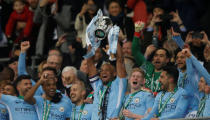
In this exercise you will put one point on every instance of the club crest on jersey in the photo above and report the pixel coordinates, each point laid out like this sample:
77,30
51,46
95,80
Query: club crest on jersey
3,111
137,100
61,109
85,112
172,100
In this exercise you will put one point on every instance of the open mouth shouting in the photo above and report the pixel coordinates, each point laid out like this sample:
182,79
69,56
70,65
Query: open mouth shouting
52,92
135,83
72,96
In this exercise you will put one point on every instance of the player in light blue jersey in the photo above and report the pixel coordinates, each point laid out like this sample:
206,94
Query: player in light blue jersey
203,108
140,100
7,89
206,111
51,105
80,110
171,102
186,81
109,89
3,112
18,109
22,64
188,75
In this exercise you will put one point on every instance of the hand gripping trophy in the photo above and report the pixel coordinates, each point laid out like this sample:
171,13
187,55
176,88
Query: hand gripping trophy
98,29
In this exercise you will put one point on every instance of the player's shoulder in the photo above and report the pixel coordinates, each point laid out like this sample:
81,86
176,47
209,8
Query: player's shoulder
66,102
88,106
8,97
181,91
38,97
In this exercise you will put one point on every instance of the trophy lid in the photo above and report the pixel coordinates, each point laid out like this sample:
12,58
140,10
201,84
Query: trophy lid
103,25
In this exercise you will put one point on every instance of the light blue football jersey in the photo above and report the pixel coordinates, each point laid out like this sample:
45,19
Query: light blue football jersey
176,107
140,103
18,109
115,99
85,114
3,112
57,111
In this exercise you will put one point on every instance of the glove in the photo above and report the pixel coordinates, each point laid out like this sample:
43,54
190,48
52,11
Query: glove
139,25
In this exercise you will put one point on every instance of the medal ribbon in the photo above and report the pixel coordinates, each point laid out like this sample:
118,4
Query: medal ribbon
46,110
90,95
130,99
161,106
201,106
153,85
102,93
128,102
80,112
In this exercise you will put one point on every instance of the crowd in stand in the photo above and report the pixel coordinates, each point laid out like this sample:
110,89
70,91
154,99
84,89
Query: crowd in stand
160,70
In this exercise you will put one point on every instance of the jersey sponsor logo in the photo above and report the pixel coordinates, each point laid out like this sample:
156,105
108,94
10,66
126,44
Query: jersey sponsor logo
21,109
133,106
170,108
61,109
57,116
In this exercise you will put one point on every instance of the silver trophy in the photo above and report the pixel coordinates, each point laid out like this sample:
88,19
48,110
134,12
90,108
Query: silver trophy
103,25
98,29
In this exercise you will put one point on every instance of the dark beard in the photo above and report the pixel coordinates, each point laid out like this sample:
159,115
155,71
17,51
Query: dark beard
57,97
106,82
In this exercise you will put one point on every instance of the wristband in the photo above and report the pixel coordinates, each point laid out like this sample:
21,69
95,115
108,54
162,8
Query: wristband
137,34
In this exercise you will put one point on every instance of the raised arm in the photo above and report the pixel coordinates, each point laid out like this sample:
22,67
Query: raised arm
92,72
121,72
80,18
202,71
29,97
136,49
22,58
177,38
